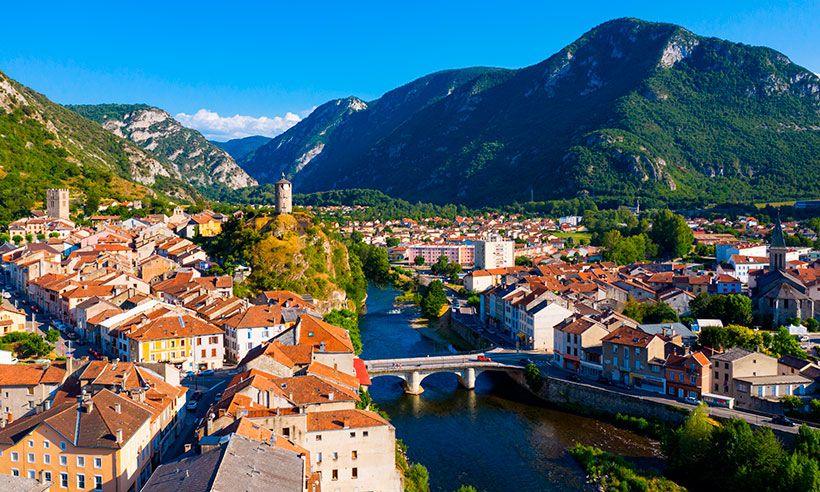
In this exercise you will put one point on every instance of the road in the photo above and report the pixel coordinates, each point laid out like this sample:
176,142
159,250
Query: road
209,387
543,361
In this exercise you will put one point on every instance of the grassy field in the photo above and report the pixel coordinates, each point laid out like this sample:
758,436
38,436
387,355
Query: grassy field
574,235
775,204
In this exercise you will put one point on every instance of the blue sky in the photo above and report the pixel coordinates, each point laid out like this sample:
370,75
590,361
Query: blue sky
260,61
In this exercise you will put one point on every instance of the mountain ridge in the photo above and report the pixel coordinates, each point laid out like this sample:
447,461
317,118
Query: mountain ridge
202,163
629,109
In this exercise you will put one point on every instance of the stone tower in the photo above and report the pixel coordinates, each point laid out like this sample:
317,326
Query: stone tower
57,203
777,247
284,196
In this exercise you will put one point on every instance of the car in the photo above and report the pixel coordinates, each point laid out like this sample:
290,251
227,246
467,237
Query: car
804,339
218,396
196,396
6,295
191,406
604,381
782,420
526,361
483,358
190,374
691,400
207,372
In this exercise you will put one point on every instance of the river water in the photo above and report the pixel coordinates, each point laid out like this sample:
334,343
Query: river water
496,437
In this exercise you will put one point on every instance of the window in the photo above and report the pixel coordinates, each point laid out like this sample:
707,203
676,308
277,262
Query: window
365,433
213,352
47,476
354,473
760,390
318,437
335,456
47,459
637,351
14,456
30,457
64,480
334,475
352,434
30,443
46,444
30,390
64,460
80,461
32,474
319,458
97,462
15,472
80,481
203,353
62,445
354,454
97,482
249,334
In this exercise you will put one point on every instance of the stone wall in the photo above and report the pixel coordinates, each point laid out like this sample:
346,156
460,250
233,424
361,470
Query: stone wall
600,400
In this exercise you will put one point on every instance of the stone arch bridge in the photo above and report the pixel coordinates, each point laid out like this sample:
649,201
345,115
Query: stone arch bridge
413,370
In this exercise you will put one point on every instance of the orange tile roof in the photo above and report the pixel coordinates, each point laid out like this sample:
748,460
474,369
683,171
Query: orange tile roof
313,331
343,419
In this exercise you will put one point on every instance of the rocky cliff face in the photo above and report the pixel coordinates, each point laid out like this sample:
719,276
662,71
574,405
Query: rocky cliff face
630,109
200,162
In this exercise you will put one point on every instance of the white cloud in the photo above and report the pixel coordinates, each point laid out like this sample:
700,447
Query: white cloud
216,127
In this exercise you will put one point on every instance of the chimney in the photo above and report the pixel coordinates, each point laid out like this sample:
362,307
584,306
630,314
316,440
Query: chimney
118,408
69,366
47,405
119,436
88,405
331,396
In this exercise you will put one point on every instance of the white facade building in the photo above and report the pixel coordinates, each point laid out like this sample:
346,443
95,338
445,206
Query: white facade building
494,253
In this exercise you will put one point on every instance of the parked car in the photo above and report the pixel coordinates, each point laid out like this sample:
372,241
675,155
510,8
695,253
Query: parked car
190,374
207,372
691,400
526,361
191,406
6,295
483,358
781,420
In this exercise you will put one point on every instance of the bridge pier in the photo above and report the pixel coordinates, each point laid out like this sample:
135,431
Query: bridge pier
412,385
467,378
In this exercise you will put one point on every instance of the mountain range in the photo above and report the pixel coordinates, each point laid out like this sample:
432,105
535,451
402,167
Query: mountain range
202,163
44,145
630,109
239,148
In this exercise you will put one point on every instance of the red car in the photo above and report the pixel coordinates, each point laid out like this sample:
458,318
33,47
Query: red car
483,358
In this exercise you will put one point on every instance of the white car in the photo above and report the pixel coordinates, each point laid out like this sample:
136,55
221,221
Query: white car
6,295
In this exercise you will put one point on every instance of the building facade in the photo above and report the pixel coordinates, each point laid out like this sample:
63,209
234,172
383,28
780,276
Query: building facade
57,203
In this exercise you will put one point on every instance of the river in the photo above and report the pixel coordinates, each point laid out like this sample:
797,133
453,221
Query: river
496,437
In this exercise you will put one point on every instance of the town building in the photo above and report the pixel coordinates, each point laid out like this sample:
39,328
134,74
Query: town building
494,252
688,376
635,358
253,326
27,389
57,203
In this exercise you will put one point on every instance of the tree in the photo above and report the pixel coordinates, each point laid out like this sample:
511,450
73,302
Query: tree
348,320
658,312
533,376
418,260
671,233
92,202
441,265
17,239
466,488
392,242
52,335
29,238
783,343
625,250
523,261
729,308
433,299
